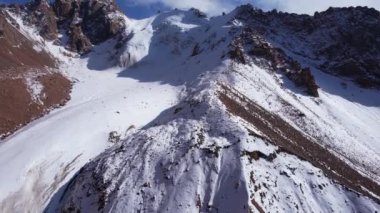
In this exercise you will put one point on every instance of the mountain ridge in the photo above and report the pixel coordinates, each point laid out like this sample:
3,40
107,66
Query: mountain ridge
148,179
238,112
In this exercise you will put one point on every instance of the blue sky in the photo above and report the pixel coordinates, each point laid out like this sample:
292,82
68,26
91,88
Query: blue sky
138,11
144,8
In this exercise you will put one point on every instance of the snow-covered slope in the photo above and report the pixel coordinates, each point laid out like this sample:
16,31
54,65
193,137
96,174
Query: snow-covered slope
241,138
201,132
41,157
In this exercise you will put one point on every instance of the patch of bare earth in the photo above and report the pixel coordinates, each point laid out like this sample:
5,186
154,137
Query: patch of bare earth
290,140
18,106
30,86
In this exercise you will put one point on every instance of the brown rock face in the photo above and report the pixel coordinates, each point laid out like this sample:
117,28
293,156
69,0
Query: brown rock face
17,50
99,20
24,65
17,107
65,8
342,41
10,116
86,23
236,52
78,42
56,89
305,78
271,58
348,68
89,22
42,16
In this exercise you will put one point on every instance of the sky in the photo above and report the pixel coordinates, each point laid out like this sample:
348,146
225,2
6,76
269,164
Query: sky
144,8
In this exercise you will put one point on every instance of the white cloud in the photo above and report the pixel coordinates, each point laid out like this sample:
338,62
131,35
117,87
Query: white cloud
215,7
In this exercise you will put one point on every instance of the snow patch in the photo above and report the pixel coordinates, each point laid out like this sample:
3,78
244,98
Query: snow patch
35,88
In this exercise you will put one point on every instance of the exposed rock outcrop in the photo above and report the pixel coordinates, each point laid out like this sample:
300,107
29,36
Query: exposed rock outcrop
86,23
265,55
29,86
41,14
342,41
78,42
16,49
89,22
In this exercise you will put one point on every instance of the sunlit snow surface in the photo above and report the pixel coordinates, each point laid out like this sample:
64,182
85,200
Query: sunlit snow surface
40,157
138,98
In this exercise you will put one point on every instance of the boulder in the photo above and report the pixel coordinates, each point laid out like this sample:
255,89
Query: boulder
78,42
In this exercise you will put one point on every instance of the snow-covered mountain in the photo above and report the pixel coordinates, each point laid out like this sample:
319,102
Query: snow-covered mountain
249,111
